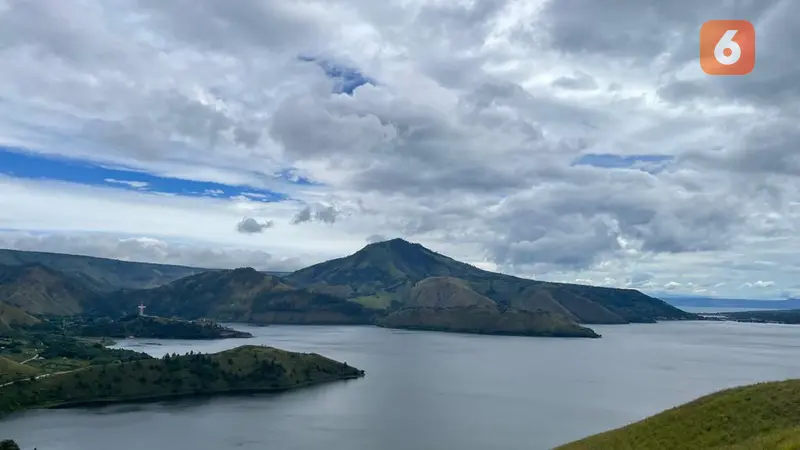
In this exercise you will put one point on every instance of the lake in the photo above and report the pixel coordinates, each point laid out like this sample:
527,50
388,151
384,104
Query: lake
436,391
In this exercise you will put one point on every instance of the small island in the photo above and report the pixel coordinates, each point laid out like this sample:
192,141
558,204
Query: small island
240,370
486,319
154,327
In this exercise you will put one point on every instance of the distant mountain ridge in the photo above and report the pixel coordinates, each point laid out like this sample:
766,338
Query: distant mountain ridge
101,274
711,302
393,283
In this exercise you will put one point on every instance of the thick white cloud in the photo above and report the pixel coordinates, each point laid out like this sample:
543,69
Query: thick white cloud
465,142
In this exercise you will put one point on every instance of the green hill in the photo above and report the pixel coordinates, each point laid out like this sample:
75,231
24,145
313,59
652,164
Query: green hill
445,292
100,273
11,370
36,289
243,369
12,317
385,274
240,295
763,416
483,319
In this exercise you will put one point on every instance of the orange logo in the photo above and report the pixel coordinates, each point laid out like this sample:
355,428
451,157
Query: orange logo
727,47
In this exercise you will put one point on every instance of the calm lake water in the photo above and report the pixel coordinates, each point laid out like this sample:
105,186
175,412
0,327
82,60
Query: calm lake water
437,391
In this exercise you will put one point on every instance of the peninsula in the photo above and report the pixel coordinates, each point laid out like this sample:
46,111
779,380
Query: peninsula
240,370
157,328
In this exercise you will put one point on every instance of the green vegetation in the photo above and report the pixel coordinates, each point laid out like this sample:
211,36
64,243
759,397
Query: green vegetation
12,317
8,444
483,319
763,416
243,369
445,292
379,301
788,316
36,289
12,370
48,353
241,295
157,328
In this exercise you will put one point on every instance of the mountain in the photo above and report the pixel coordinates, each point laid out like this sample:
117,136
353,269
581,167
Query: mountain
735,303
384,275
240,295
36,289
449,304
485,319
100,273
763,416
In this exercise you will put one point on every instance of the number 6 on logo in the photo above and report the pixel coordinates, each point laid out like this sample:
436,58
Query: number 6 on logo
727,47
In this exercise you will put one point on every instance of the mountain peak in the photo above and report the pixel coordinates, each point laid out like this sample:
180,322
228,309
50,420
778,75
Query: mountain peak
394,243
378,266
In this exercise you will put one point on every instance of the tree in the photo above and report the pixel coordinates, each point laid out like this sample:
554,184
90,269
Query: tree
8,444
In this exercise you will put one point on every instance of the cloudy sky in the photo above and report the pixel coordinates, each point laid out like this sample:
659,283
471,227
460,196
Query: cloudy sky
569,140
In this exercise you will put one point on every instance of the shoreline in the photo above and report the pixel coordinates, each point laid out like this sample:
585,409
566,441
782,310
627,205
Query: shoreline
165,397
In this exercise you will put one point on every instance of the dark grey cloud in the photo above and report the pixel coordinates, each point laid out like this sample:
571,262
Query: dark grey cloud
578,81
317,212
219,26
304,215
249,225
639,31
326,214
376,238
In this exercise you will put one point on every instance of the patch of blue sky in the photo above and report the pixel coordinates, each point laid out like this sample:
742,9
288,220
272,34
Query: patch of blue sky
347,79
647,163
21,164
292,176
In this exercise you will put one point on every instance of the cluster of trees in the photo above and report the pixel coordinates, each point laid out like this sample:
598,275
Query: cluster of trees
8,444
157,328
56,346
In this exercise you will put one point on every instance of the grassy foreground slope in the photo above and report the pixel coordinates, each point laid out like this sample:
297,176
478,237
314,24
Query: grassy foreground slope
243,369
764,416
